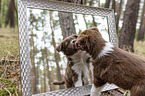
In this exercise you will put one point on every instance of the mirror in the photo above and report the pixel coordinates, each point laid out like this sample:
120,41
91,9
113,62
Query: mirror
45,33
40,30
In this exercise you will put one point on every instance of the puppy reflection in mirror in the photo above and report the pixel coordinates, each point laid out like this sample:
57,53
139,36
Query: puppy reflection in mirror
78,63
112,64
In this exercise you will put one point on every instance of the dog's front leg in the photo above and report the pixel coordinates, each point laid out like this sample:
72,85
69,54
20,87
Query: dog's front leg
97,88
96,91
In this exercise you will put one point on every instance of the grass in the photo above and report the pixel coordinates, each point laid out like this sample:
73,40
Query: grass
140,48
9,45
9,50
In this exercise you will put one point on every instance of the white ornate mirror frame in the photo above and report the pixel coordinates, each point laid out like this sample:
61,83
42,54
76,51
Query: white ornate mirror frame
56,6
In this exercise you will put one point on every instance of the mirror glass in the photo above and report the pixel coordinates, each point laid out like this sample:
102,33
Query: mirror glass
45,33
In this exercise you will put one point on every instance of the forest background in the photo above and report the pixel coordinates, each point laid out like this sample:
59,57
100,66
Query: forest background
130,26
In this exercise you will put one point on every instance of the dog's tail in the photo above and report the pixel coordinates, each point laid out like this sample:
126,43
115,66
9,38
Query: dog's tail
58,83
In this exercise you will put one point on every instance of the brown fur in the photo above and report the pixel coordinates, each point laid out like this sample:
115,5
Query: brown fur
122,68
67,46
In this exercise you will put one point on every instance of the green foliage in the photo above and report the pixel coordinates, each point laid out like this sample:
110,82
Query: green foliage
7,82
5,92
8,87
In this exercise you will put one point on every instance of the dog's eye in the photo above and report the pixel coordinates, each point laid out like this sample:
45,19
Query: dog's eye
76,36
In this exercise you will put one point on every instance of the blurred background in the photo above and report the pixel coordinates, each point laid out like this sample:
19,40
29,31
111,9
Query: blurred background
45,33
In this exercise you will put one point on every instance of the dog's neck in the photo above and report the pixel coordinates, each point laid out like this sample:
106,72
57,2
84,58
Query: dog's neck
80,66
108,48
80,62
100,50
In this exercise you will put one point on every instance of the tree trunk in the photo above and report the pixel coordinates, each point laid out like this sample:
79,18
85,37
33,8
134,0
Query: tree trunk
107,3
99,3
36,79
93,21
33,70
41,82
0,15
10,16
85,21
127,35
38,76
141,32
66,20
32,57
44,74
118,15
48,72
56,54
67,24
91,2
114,5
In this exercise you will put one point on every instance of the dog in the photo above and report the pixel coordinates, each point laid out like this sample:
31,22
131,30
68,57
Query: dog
77,63
112,64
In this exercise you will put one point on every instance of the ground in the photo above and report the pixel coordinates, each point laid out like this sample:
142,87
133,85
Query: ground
9,42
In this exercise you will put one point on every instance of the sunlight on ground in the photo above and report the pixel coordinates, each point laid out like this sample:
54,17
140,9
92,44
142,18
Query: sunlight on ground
140,48
9,45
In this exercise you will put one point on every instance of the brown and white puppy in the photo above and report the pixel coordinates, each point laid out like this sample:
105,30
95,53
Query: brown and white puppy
77,62
112,64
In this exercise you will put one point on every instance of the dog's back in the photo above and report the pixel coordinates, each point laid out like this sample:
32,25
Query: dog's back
112,65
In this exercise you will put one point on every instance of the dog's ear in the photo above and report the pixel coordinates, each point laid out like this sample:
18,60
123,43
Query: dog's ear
59,47
63,45
95,29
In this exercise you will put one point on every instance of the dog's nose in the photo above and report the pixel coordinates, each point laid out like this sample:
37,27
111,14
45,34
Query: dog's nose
76,46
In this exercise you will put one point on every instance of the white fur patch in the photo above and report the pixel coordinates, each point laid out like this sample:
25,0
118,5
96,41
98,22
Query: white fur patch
80,65
79,82
96,91
108,48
